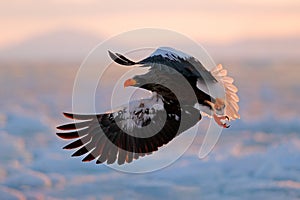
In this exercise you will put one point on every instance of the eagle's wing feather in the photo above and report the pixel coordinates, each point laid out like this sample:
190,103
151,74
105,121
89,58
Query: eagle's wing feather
183,63
124,134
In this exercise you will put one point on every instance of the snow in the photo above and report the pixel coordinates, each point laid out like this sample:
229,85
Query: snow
257,158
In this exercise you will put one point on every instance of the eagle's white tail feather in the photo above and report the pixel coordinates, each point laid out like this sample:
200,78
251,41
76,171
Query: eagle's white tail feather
217,68
228,80
234,105
231,97
231,87
222,73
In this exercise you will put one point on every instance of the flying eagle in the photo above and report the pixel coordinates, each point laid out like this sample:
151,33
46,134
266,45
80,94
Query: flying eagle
144,125
198,77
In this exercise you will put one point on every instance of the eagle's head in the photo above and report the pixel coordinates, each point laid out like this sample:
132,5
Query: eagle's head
143,81
137,81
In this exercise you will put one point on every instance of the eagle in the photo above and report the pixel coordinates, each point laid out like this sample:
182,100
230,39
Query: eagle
140,127
197,76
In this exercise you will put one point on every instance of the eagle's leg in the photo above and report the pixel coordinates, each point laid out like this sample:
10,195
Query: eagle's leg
218,119
219,122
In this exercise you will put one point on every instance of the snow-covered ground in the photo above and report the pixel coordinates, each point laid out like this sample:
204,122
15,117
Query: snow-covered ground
257,158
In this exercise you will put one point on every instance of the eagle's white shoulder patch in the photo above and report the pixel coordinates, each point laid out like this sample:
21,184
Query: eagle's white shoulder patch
139,111
168,52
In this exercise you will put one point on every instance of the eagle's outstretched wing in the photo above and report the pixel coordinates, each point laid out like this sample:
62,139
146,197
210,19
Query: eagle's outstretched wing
183,63
127,133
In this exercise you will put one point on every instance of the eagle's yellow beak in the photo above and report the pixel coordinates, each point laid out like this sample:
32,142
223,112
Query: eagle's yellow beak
129,82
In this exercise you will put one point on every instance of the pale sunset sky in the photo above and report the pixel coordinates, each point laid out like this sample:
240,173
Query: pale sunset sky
212,21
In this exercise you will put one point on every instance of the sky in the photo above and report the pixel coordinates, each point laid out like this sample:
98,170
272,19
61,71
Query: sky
213,21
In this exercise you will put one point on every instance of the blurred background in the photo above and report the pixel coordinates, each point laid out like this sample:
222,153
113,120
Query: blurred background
42,45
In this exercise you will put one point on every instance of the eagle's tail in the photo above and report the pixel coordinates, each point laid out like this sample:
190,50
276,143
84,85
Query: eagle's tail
120,59
231,90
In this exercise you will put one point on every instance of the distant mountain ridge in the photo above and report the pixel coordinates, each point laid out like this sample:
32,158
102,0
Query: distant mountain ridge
61,45
262,49
70,45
